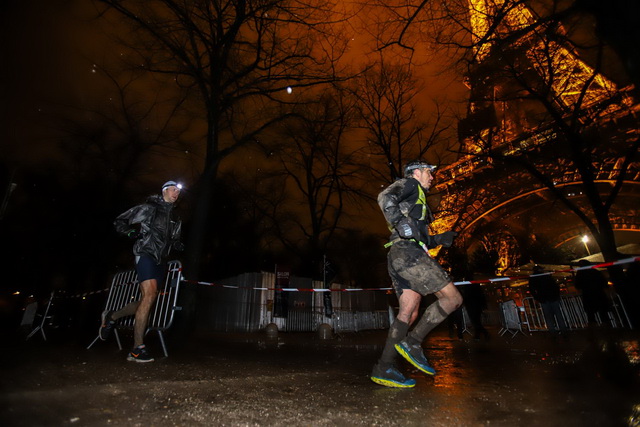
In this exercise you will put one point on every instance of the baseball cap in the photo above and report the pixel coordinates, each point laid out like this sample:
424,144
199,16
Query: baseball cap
418,165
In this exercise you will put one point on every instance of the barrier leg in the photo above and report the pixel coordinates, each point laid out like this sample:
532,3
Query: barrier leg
164,347
115,331
93,342
621,312
36,329
465,319
45,316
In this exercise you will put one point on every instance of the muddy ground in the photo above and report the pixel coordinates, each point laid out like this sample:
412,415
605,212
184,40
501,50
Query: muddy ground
301,379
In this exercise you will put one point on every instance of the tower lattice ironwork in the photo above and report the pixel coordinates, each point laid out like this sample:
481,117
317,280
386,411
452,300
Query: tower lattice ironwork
531,96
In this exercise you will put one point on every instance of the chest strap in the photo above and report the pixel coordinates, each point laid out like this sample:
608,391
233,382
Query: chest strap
397,239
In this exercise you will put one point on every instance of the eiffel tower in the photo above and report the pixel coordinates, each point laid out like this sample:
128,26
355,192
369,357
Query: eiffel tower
527,87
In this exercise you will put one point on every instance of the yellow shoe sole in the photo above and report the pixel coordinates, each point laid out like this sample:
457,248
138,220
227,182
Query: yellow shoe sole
388,383
409,359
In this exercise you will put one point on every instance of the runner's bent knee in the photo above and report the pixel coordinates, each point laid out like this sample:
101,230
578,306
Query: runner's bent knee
449,297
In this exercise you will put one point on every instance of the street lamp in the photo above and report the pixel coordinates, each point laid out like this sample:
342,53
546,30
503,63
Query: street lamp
585,239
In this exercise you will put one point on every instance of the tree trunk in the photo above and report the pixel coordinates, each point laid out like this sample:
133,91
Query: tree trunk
606,239
200,221
199,227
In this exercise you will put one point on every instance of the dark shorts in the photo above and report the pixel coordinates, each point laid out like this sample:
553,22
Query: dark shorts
410,267
148,269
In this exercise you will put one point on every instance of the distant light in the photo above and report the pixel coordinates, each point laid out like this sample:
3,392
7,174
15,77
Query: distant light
16,293
585,239
289,89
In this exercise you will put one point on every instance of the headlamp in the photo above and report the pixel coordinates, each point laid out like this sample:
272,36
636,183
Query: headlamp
419,165
171,184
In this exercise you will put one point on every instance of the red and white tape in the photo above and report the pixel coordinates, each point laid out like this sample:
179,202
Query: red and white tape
461,283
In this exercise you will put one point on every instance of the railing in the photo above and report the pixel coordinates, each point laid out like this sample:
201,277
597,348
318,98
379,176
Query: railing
125,289
530,316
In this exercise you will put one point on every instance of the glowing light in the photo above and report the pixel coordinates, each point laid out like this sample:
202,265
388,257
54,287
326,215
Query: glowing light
585,239
289,89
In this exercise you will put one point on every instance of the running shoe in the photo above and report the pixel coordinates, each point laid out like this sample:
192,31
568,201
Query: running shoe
415,356
390,377
140,355
107,325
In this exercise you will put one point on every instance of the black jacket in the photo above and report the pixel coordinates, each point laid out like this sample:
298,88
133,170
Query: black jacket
160,231
402,199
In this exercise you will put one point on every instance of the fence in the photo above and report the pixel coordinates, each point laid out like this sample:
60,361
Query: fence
45,318
125,289
246,303
531,317
510,318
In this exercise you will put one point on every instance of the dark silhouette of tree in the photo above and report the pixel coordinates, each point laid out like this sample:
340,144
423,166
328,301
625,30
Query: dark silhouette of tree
122,138
552,93
484,260
407,24
360,259
535,100
316,177
110,148
388,111
235,59
236,247
60,219
618,23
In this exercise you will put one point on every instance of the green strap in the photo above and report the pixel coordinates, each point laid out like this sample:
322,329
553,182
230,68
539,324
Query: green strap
389,244
422,245
422,200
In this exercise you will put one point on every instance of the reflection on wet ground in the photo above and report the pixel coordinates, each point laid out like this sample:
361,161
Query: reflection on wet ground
300,379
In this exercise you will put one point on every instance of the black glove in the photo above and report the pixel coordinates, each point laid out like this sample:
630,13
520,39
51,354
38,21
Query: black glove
178,246
445,239
134,235
407,229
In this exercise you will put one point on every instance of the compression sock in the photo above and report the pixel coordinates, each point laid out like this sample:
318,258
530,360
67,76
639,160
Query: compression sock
432,317
397,332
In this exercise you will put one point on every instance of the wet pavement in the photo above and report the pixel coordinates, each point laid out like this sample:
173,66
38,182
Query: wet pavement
300,379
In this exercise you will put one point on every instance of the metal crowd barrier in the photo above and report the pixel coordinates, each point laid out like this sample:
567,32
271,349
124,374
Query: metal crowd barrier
510,318
534,315
45,316
619,313
124,289
466,322
572,310
570,307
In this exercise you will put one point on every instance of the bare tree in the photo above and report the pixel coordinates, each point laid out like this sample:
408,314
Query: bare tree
118,137
316,178
237,58
534,103
388,109
539,85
